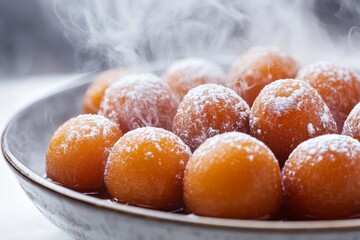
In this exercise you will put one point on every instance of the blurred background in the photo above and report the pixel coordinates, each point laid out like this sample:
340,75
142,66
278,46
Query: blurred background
45,37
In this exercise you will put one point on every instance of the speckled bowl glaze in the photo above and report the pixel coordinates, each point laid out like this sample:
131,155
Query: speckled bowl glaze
24,143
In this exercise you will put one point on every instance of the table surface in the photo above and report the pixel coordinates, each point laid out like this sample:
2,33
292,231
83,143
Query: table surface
19,218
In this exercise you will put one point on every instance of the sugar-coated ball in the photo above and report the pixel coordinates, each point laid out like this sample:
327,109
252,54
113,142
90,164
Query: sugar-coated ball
146,168
78,150
288,112
322,178
139,100
233,175
209,110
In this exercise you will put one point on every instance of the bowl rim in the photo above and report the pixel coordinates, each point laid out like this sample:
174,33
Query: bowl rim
189,220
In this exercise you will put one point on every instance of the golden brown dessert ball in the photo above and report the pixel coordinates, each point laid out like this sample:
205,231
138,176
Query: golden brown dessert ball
288,112
322,178
258,67
352,123
95,92
209,110
233,175
188,73
146,168
78,151
338,86
139,100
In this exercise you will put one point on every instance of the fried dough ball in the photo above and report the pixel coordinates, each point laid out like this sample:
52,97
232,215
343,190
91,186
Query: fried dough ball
188,73
258,67
146,168
288,112
95,92
78,151
139,100
233,175
322,178
352,123
338,86
209,110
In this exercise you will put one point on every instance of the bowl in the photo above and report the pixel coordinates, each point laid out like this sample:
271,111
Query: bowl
24,143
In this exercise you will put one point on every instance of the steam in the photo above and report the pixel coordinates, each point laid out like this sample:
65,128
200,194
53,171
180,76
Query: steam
139,32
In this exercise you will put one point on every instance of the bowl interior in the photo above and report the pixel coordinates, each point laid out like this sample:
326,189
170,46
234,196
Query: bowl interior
27,135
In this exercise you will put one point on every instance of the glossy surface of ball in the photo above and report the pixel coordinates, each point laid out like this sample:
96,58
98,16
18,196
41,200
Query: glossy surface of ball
322,178
233,175
146,167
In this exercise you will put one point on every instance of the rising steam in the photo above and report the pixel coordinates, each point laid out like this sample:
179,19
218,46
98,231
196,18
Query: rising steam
135,32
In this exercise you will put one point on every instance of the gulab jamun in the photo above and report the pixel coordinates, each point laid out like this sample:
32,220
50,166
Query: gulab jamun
338,86
288,112
233,175
322,178
209,110
146,168
352,123
95,92
258,67
78,152
188,73
139,100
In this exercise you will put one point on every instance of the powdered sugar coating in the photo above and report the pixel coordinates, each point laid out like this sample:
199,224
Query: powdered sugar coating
232,140
157,137
291,95
139,100
290,110
209,110
332,71
338,86
322,177
312,151
86,127
188,73
352,123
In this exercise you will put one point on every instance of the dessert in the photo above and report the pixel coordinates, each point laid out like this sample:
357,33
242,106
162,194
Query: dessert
258,67
322,178
209,110
78,151
288,112
233,175
146,167
338,86
139,100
